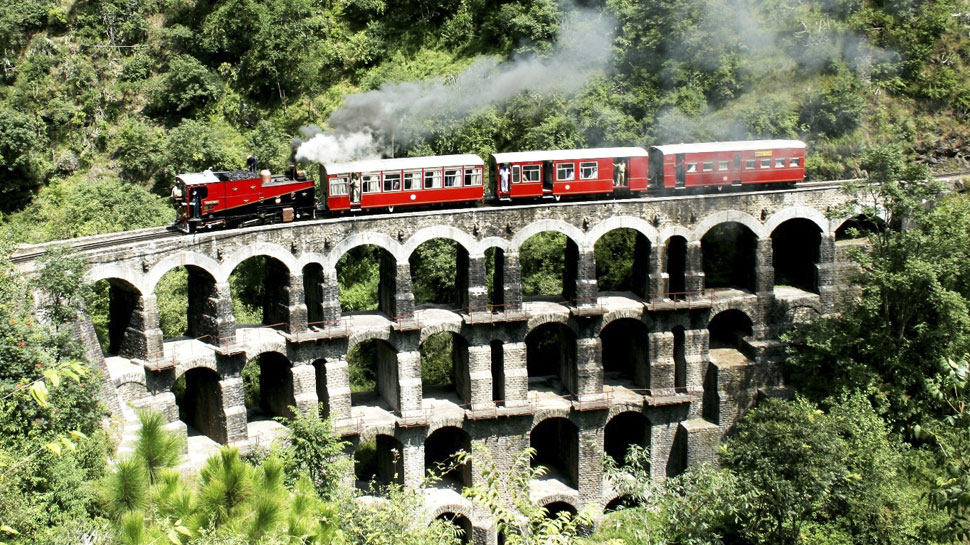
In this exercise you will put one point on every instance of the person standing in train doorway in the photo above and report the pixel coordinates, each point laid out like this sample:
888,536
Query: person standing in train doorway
504,172
620,170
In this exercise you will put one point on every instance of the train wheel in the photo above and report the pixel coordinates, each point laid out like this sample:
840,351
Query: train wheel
390,208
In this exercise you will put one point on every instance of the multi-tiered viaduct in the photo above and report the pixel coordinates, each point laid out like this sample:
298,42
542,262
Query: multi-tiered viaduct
670,365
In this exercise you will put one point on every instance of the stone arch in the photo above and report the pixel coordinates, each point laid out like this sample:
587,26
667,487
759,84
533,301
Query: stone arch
550,499
796,245
453,291
540,320
626,353
540,226
496,262
730,256
862,223
445,367
463,239
113,271
381,334
125,332
439,327
794,212
729,328
556,442
613,249
440,447
258,249
728,216
379,460
551,362
187,259
200,403
462,522
676,263
674,231
622,222
618,501
276,388
375,366
624,430
622,314
273,276
393,247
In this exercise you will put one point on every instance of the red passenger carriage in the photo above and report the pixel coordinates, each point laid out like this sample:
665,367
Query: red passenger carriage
571,172
409,181
727,164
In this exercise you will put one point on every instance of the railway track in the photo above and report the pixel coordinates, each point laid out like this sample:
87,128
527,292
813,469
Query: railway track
97,242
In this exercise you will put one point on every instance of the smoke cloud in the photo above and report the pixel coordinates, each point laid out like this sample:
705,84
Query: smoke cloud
374,123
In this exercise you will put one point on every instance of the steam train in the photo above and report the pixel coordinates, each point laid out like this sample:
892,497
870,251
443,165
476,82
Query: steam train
210,200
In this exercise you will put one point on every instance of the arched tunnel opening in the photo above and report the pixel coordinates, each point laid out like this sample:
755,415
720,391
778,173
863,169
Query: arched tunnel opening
462,524
623,431
440,450
367,280
729,257
551,358
728,330
444,367
626,354
378,462
795,254
268,386
556,445
199,399
372,366
439,273
676,267
622,262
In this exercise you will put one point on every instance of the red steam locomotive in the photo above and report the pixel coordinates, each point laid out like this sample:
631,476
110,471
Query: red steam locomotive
210,199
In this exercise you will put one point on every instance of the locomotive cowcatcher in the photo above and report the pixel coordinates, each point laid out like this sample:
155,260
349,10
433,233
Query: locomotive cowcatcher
207,200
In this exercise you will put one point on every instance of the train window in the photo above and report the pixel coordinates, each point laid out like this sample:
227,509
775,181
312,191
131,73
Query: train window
473,176
780,163
432,179
750,163
530,173
723,165
338,186
565,171
392,181
794,162
451,177
588,171
766,163
411,180
516,174
691,167
708,166
370,183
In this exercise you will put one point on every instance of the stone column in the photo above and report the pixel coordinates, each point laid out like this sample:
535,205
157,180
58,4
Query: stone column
234,409
662,366
827,273
764,272
403,294
589,367
512,287
475,298
412,455
296,311
656,277
694,277
143,338
408,383
516,374
696,342
333,389
305,389
590,485
330,297
479,386
586,286
218,322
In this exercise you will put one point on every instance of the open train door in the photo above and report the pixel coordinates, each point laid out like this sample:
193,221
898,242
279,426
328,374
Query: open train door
680,171
737,169
547,177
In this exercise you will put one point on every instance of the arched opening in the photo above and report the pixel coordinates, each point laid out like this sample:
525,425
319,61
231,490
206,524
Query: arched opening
268,386
626,353
461,522
551,358
313,287
859,227
549,263
440,449
367,280
556,445
498,372
729,257
623,262
111,307
259,287
554,509
728,330
621,502
181,309
623,431
495,277
795,254
378,462
680,359
199,399
439,273
676,267
444,367
372,366
323,393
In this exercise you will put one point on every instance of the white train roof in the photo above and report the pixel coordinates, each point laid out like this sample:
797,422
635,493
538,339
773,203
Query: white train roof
405,163
567,154
741,145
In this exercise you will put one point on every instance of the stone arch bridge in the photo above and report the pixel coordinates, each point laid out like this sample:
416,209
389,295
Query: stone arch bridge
670,364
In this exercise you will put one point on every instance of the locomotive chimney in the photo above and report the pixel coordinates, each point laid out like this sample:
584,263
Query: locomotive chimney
265,175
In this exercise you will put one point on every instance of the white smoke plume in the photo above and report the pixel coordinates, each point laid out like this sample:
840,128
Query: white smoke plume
376,122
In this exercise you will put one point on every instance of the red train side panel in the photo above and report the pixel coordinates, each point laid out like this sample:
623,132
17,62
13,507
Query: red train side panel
556,173
727,163
410,181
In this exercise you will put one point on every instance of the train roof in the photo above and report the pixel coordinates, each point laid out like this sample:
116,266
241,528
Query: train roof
742,145
210,177
405,163
566,154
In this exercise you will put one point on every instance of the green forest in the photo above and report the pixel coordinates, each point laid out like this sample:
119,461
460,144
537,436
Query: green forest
103,102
